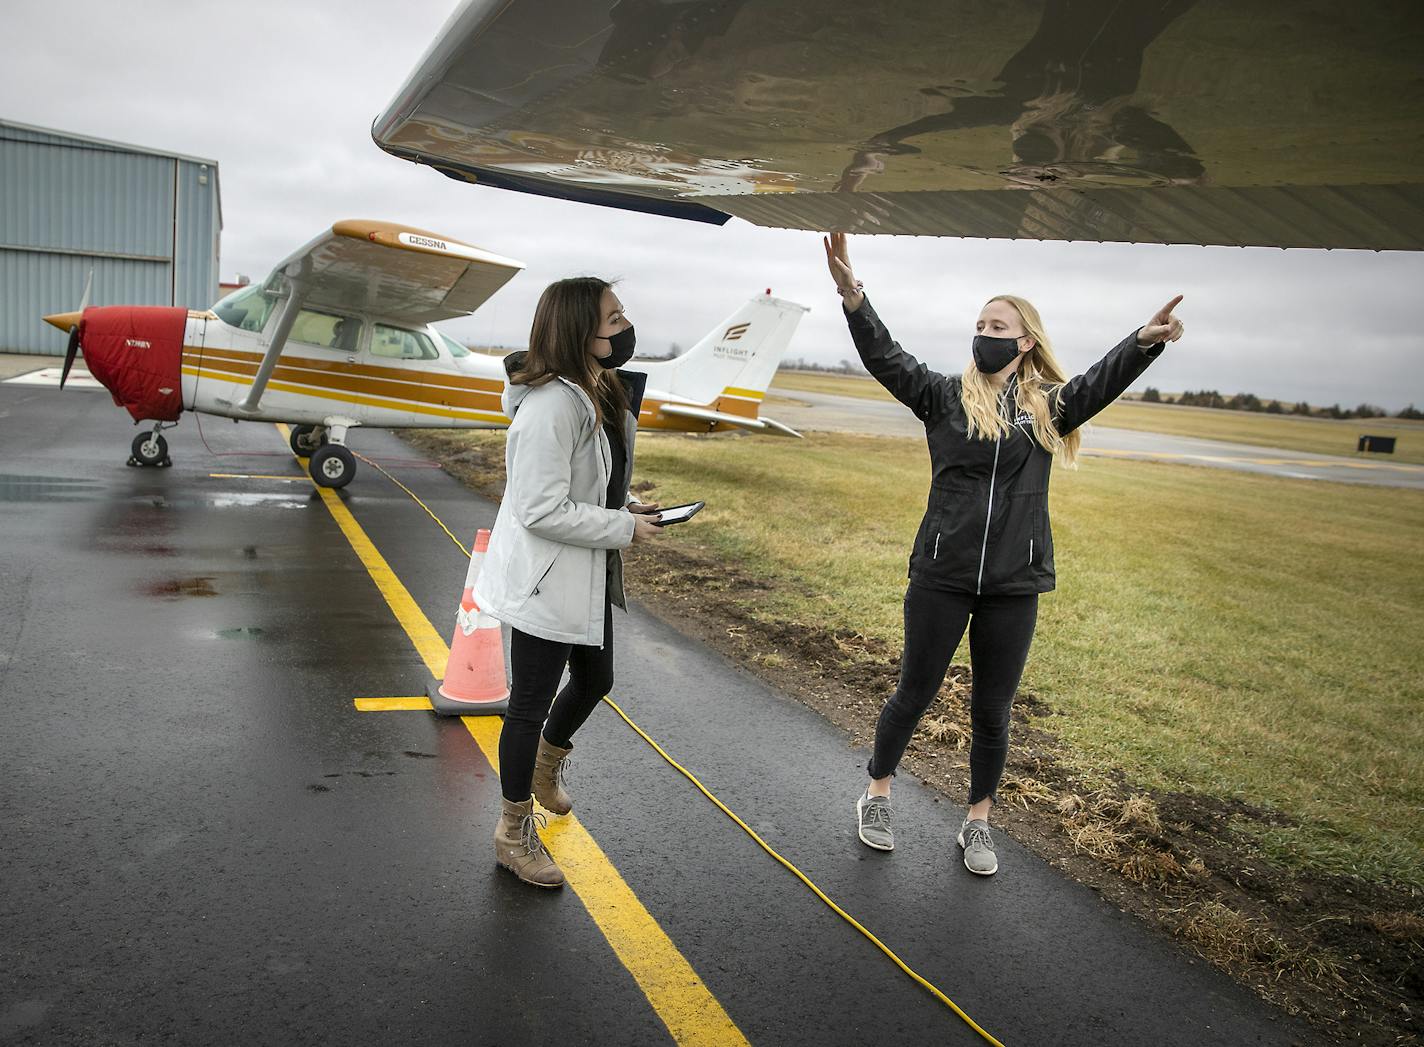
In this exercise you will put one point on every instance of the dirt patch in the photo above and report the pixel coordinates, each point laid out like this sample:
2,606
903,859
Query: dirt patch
1342,953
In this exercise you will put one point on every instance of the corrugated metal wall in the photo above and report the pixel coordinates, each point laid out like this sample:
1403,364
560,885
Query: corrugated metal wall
195,241
69,204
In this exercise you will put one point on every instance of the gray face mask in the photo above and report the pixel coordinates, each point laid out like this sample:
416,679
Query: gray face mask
992,355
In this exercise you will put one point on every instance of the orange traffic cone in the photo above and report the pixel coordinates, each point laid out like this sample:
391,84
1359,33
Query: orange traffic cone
474,683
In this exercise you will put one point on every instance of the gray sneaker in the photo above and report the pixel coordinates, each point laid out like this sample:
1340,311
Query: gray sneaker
978,847
873,815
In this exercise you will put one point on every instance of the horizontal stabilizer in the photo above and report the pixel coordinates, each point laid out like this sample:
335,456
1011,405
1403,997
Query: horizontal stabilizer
703,414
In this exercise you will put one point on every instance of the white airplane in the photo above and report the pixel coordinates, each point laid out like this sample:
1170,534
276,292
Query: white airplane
340,335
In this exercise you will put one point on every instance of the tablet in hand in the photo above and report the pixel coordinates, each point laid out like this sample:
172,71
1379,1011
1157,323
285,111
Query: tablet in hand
678,514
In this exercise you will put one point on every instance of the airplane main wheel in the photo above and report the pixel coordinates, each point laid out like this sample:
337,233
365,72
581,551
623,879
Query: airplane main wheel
332,465
149,448
301,440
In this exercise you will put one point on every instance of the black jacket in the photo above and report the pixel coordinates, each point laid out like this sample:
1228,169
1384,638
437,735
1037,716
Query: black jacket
986,527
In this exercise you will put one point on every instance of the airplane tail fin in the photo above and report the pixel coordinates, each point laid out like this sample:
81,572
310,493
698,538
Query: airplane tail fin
724,377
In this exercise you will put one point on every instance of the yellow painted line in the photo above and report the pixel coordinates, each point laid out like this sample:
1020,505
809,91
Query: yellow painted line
387,705
688,1009
678,996
256,476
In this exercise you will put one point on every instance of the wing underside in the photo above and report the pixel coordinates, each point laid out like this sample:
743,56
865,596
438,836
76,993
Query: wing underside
381,270
391,271
1241,122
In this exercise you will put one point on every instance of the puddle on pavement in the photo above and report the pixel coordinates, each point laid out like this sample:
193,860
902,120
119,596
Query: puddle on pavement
276,501
20,488
246,632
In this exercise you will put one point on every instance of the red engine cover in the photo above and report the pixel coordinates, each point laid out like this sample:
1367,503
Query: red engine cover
136,352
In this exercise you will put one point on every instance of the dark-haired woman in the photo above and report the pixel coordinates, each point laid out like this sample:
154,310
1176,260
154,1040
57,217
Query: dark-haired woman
554,567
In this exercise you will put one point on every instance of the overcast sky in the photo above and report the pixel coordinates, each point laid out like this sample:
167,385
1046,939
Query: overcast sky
282,95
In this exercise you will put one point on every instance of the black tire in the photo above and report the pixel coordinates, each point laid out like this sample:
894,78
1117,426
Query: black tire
331,465
301,442
149,448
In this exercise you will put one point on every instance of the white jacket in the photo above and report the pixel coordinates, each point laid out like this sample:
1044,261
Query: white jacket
548,563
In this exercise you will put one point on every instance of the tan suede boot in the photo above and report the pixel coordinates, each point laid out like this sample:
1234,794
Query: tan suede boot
549,778
518,848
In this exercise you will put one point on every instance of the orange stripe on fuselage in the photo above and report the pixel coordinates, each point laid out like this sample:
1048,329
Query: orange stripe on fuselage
329,379
363,379
399,374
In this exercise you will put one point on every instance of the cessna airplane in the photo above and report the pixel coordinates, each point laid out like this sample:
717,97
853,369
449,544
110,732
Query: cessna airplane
340,336
1238,122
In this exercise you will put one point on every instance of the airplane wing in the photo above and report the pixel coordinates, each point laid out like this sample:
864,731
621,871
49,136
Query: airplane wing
1241,122
396,272
385,270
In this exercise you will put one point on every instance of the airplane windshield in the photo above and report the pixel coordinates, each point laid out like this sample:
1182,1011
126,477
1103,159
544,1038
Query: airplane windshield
246,308
456,349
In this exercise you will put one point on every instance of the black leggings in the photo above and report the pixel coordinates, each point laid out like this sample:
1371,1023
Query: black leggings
536,666
1000,632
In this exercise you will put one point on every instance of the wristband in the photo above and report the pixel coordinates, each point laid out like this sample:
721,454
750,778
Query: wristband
857,289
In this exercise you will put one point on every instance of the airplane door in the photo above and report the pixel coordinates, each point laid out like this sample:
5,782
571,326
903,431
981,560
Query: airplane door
398,359
194,337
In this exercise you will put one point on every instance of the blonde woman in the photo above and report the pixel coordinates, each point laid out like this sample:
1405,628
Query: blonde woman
984,551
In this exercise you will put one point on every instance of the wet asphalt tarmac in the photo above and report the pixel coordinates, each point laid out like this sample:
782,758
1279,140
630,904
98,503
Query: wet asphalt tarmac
202,842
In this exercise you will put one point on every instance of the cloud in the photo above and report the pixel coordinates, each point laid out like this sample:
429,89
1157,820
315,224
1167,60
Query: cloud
282,95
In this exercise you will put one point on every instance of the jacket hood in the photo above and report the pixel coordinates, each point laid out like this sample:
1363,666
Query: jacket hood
513,394
634,384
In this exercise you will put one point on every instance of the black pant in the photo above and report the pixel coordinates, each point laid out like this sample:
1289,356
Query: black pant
536,666
1000,632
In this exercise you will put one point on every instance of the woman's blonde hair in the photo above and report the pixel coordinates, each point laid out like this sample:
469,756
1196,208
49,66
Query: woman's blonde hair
1039,377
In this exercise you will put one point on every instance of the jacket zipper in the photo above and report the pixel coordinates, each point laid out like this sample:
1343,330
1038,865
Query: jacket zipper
545,574
1030,552
989,515
935,554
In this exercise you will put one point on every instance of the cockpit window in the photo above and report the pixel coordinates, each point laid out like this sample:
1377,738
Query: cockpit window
456,349
328,330
246,308
396,343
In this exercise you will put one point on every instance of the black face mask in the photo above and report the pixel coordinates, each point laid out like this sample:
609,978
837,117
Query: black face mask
622,343
992,355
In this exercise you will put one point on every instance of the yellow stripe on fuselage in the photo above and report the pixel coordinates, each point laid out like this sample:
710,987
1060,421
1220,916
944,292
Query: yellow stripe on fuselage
744,394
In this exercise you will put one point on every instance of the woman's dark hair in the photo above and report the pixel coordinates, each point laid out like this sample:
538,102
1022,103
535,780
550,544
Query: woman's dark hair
567,317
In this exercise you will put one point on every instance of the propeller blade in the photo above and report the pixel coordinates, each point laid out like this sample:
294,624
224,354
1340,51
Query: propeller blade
88,286
69,353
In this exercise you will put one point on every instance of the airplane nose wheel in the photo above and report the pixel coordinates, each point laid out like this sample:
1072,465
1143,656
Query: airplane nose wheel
149,449
307,438
331,465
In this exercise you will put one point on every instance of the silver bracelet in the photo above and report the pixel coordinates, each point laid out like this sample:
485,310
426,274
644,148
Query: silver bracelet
859,287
